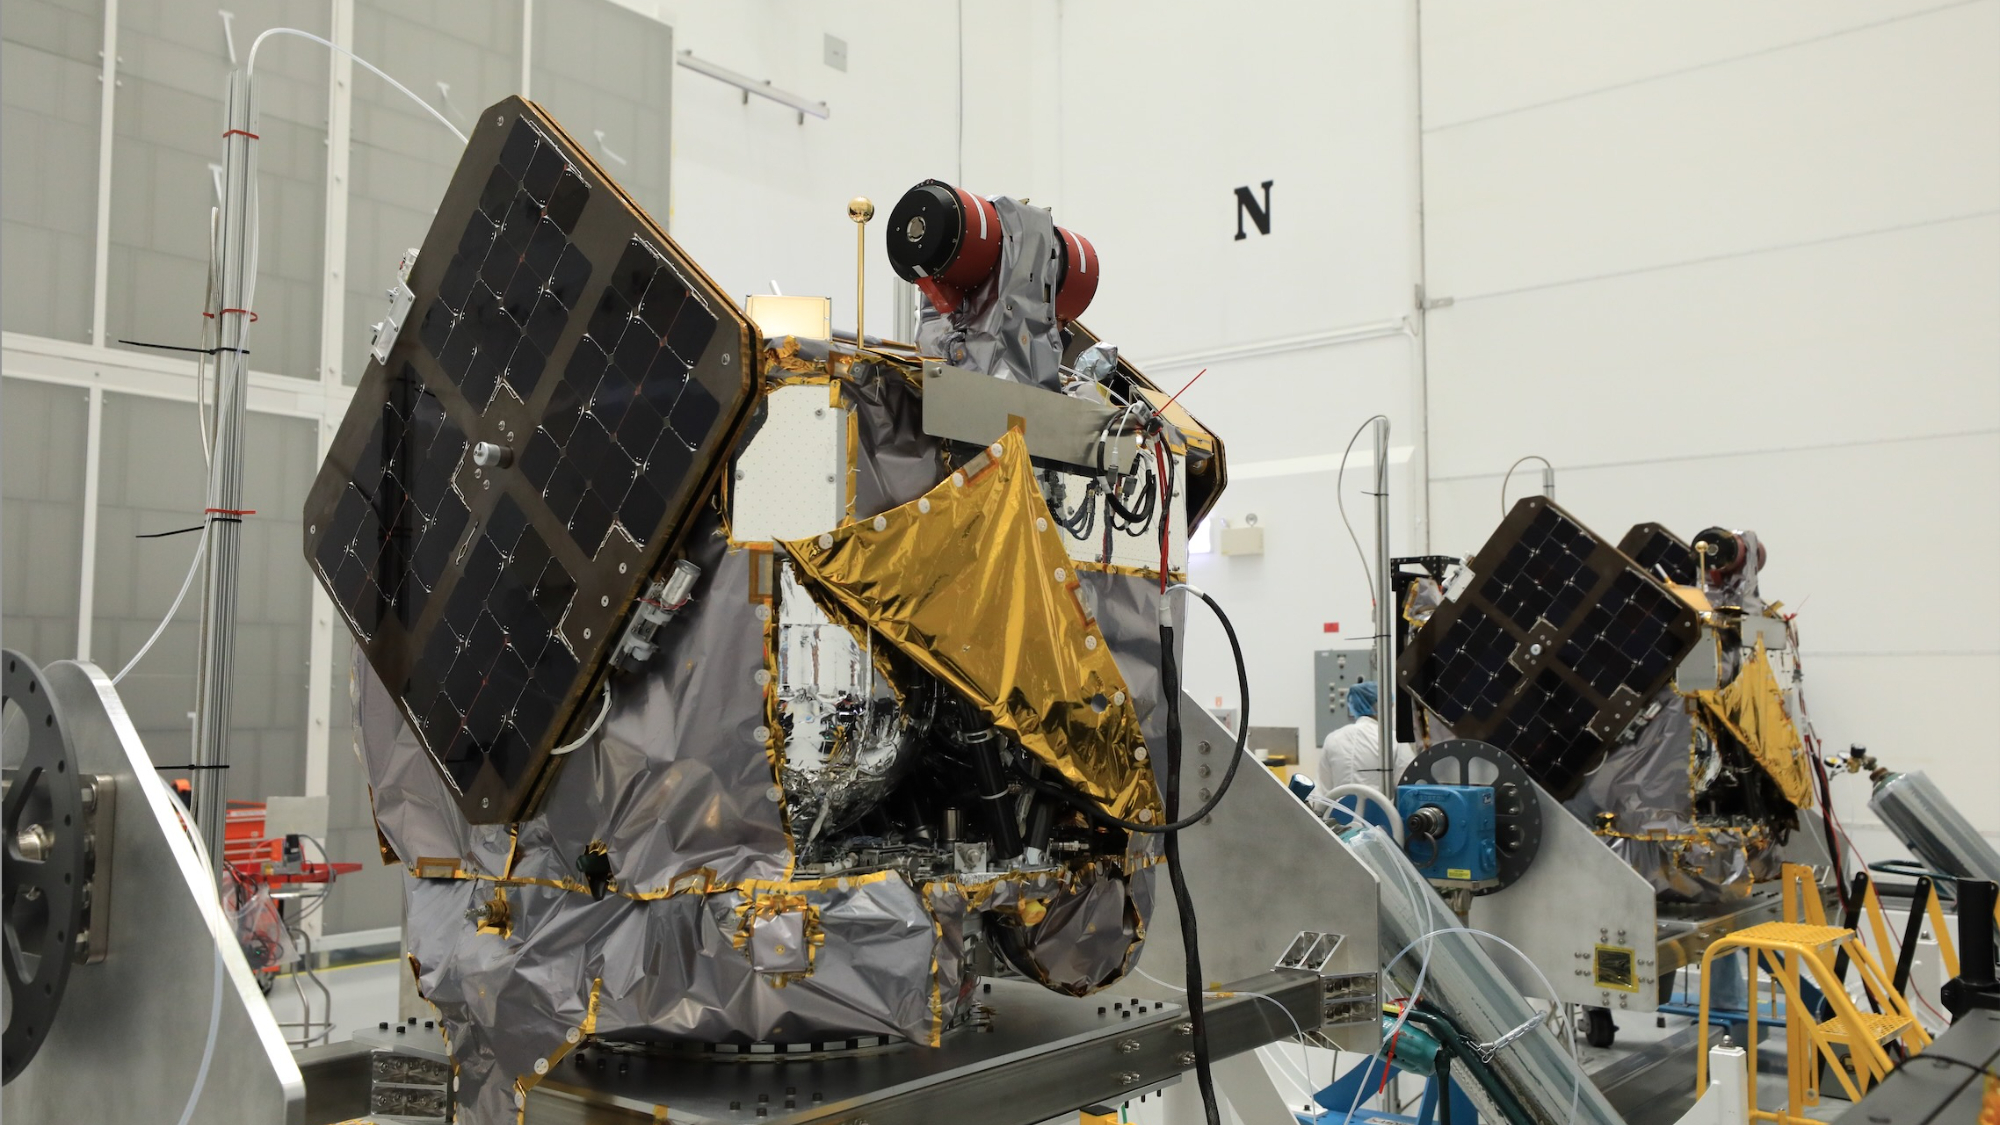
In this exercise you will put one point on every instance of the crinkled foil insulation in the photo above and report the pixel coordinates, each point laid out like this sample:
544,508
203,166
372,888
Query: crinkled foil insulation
1646,797
708,932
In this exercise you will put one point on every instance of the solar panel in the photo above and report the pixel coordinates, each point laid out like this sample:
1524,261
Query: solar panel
1553,648
1660,552
603,376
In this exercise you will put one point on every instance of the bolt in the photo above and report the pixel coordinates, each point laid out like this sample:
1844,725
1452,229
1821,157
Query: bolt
35,843
1128,1078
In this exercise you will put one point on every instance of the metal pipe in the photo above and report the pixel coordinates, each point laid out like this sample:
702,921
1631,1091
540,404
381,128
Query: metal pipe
1463,983
860,209
984,747
751,86
1385,616
214,673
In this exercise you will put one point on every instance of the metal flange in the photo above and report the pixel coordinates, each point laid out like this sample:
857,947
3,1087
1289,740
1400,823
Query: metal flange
46,860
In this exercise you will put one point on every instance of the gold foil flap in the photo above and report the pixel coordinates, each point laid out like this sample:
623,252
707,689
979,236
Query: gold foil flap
971,583
1753,707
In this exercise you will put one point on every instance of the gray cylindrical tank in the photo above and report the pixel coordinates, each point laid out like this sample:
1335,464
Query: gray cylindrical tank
1916,810
1465,984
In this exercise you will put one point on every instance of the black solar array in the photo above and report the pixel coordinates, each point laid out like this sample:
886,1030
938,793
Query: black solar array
555,321
1660,552
1556,643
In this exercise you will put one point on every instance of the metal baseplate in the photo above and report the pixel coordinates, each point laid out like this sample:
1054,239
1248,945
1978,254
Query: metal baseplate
1035,1055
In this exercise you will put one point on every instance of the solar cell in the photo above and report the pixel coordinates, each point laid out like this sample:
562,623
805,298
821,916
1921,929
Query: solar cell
557,324
1556,643
1660,552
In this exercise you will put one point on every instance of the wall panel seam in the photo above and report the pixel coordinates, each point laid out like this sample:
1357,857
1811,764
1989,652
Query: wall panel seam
1952,435
1709,65
1728,255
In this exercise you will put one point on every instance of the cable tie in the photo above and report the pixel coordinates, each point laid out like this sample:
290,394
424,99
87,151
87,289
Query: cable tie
183,348
229,511
243,312
176,531
240,133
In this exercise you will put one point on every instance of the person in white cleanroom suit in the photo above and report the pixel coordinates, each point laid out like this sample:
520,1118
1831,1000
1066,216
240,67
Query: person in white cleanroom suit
1353,753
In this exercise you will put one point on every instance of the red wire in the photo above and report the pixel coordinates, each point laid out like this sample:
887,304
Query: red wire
1388,1061
1183,390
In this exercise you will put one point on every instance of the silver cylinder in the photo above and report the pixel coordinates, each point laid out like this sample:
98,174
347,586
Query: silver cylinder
1465,984
237,262
1928,824
1385,615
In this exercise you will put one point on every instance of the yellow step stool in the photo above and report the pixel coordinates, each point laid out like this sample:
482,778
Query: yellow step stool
1787,952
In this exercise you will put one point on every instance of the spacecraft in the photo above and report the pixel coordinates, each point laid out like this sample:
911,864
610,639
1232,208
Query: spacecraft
741,693
1647,684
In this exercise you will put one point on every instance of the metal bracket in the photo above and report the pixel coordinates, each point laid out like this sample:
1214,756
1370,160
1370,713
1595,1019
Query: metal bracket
664,598
401,297
1310,951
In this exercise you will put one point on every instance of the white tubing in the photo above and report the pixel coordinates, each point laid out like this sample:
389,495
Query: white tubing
215,999
595,725
1356,789
251,67
194,567
1305,1063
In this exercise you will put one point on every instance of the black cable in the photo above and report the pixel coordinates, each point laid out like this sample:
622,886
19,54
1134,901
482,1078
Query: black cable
1091,809
176,531
1136,518
1183,900
1933,1056
1832,839
1462,1049
1444,1088
184,348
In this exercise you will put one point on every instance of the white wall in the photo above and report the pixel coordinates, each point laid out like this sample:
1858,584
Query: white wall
761,197
1741,265
1163,117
